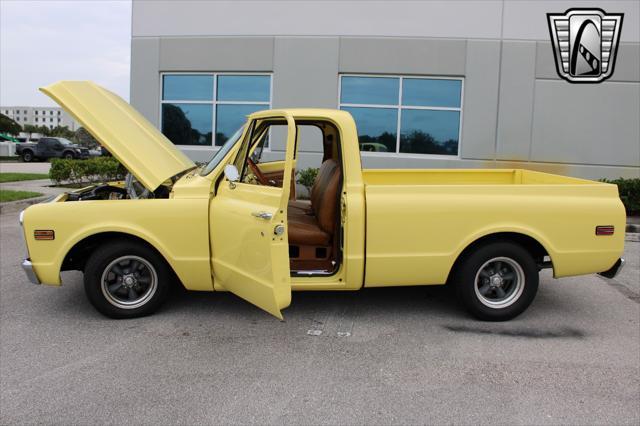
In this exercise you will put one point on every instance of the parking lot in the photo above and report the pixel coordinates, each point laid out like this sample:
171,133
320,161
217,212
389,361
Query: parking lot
405,355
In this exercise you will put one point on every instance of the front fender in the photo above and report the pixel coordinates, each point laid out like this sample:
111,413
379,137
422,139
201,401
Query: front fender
177,228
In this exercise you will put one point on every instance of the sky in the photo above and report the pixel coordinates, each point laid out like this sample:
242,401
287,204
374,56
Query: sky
42,42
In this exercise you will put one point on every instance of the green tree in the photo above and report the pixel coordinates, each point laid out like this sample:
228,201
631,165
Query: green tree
63,132
43,130
84,138
8,125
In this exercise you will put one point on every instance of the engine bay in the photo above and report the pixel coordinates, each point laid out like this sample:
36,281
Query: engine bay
132,190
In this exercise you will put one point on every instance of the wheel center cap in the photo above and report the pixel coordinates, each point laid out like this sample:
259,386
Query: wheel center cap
496,281
129,280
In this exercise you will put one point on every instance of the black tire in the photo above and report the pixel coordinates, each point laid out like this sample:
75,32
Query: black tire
487,280
68,155
119,303
27,156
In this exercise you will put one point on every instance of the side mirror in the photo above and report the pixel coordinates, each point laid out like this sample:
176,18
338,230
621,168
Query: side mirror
232,175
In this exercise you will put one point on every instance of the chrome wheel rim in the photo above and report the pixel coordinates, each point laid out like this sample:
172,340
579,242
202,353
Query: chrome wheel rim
129,282
499,282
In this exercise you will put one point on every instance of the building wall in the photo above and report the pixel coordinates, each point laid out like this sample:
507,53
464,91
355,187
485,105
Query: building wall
517,112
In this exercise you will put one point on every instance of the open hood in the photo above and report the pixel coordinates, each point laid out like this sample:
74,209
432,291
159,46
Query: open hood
128,136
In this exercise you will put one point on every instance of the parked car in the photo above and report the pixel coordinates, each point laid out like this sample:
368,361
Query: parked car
51,147
373,147
234,224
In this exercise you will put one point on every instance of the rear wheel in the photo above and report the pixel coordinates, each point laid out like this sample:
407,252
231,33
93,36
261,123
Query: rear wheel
27,156
498,281
126,280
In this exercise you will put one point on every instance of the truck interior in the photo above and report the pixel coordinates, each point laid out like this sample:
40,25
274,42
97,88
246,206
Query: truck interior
314,224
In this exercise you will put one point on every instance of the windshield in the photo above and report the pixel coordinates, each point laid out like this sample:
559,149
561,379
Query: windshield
64,141
222,152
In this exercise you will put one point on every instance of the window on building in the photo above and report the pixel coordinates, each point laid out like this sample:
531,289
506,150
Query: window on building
206,109
404,115
25,111
36,119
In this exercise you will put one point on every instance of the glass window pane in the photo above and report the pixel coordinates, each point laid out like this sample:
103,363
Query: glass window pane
429,132
376,128
369,90
187,87
187,124
230,117
431,92
253,88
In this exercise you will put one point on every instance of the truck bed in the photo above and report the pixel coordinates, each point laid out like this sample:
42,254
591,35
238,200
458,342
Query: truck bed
466,177
419,221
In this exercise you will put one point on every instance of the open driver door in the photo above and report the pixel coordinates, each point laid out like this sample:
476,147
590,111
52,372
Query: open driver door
248,223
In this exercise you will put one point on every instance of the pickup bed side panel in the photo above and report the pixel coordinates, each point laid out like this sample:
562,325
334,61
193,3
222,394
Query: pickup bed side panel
177,228
416,232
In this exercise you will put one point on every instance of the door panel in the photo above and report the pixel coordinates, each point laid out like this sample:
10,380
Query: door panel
248,257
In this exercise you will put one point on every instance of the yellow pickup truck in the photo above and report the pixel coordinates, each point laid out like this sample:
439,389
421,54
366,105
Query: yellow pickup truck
236,224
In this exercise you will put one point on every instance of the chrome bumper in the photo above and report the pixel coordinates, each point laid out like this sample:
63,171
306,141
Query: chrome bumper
27,267
615,269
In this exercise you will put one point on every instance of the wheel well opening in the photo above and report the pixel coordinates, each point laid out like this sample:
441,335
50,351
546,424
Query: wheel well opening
77,257
533,246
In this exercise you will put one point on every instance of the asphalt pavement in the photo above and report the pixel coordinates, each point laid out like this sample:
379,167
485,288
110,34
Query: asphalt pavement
378,356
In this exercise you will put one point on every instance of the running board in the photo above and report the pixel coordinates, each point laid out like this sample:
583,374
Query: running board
311,273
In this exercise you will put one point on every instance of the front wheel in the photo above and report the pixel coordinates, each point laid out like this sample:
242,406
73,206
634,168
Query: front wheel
27,156
68,156
126,280
497,282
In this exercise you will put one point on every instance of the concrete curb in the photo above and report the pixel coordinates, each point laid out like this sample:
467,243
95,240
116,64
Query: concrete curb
16,206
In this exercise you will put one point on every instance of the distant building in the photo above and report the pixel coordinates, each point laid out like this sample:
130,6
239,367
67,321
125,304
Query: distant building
40,116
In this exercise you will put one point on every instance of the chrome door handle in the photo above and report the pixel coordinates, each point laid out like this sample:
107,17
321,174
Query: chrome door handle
262,215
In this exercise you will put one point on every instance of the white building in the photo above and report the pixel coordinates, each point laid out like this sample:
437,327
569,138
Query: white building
40,116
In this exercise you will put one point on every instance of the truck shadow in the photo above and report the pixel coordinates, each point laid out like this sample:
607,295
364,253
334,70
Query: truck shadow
434,300
396,307
433,306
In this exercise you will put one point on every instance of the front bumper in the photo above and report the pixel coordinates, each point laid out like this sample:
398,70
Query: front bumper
27,267
614,270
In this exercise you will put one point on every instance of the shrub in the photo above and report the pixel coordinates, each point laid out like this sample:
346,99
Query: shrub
629,190
86,171
307,177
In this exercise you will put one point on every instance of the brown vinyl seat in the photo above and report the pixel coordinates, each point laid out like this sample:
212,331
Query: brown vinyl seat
314,223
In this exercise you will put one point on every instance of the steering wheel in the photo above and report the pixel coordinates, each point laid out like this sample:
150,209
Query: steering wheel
257,172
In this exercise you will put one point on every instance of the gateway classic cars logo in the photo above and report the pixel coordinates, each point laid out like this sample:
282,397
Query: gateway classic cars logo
585,43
